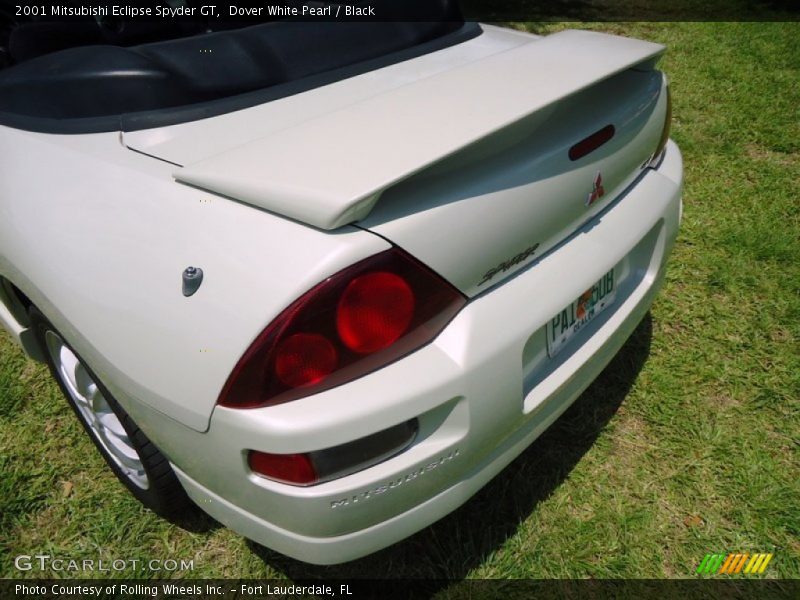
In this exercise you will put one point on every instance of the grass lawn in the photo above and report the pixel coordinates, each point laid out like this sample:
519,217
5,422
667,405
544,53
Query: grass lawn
688,443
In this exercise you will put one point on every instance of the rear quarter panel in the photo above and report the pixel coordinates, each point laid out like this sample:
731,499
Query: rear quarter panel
98,236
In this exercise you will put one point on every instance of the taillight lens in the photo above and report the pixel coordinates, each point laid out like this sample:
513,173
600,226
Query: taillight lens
356,321
374,311
323,465
304,359
295,469
662,142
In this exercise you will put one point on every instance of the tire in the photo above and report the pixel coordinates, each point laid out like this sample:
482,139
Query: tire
133,458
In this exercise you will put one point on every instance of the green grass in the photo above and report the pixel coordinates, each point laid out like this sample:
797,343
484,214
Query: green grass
687,444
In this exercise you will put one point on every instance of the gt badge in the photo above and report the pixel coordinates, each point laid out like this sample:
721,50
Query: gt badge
597,190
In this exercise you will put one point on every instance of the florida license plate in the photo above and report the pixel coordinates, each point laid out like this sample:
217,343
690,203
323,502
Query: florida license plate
564,325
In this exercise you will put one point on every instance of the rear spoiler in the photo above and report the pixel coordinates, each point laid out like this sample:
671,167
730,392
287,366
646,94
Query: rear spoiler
330,171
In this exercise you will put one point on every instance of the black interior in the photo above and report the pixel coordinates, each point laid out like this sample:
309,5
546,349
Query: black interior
97,86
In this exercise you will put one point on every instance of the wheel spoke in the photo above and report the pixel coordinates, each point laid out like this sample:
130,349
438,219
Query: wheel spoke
69,366
122,449
95,398
110,422
84,384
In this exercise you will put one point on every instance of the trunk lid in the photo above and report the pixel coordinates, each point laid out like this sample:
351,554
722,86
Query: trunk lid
485,213
467,168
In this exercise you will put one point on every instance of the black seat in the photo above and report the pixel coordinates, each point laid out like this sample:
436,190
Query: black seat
104,80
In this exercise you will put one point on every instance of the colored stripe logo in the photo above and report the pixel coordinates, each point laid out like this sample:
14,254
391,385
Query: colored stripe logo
731,564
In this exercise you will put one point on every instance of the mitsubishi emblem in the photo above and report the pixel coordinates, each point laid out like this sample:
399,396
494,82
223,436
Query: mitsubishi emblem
597,190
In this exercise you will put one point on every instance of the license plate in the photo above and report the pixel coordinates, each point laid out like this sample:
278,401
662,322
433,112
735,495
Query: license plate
564,325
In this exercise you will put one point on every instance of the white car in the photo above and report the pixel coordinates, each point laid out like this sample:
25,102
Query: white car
328,290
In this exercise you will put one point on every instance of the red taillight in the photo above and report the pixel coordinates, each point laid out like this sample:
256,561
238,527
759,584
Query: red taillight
296,469
304,359
360,319
325,464
374,311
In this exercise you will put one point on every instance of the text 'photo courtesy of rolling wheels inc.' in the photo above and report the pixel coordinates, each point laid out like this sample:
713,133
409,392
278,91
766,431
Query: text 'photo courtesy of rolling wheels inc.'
399,299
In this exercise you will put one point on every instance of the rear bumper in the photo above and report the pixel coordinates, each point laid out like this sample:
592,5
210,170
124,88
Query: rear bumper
482,391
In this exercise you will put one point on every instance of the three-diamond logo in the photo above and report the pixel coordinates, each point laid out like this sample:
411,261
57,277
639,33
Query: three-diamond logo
732,564
598,191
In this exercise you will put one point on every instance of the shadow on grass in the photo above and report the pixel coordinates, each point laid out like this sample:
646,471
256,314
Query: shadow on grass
195,520
453,546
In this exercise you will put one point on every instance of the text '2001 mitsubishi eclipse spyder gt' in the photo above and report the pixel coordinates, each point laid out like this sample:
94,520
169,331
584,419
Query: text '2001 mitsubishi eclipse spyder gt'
327,291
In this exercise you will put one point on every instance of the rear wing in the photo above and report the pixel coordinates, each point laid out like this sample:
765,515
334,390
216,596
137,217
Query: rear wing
330,171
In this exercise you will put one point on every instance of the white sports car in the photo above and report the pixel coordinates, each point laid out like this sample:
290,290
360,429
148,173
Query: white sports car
327,279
